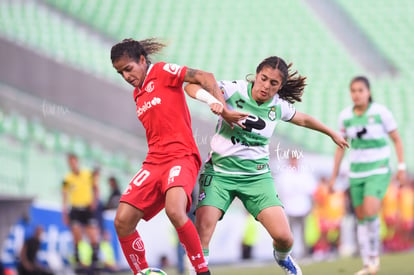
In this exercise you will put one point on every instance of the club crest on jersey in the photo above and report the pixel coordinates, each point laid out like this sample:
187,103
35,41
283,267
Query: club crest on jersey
150,87
272,113
172,68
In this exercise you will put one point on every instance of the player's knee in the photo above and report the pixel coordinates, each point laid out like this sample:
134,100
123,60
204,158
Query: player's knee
370,212
371,209
284,239
123,225
177,216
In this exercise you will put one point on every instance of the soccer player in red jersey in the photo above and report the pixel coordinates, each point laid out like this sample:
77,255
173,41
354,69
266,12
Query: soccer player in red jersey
169,172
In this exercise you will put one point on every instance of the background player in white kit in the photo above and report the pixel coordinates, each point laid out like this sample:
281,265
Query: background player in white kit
238,165
367,125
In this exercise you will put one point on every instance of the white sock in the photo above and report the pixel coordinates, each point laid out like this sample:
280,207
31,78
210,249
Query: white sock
363,241
373,227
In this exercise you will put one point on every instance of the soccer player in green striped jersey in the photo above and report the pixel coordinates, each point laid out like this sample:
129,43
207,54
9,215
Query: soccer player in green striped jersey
238,165
367,125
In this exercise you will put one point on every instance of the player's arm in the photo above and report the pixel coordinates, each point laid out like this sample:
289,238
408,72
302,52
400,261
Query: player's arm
65,213
396,139
23,258
199,83
95,188
339,155
307,121
206,81
197,92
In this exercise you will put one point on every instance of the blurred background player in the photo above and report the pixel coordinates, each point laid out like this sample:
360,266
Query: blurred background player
368,125
330,208
115,195
250,237
296,186
169,172
28,263
238,164
80,197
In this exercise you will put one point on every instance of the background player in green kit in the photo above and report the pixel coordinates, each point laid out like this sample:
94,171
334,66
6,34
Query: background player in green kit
238,164
367,125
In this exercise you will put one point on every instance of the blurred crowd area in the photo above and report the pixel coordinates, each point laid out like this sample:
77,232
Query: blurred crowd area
323,222
331,214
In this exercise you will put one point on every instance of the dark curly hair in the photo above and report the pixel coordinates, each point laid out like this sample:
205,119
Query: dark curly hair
293,83
134,49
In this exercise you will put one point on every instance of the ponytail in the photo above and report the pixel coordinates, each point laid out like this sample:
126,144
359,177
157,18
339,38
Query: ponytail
134,49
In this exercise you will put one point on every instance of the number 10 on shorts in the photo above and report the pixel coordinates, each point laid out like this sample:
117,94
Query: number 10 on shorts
140,177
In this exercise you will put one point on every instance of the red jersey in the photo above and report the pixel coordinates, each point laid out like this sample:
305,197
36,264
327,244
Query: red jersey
163,111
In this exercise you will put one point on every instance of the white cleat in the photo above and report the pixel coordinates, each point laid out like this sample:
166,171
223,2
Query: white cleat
363,271
374,266
289,266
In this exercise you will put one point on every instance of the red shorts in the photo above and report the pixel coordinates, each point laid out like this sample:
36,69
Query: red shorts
147,189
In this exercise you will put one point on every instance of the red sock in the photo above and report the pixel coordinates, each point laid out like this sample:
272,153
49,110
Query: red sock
187,234
134,251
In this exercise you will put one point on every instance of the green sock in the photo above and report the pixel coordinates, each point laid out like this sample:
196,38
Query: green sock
206,253
281,254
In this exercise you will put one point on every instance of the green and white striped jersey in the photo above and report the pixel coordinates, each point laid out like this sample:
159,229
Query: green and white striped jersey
368,135
240,151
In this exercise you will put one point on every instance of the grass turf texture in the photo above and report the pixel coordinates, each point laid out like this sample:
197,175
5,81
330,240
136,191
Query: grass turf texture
398,264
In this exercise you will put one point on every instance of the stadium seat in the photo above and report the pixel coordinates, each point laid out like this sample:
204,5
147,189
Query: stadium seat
232,45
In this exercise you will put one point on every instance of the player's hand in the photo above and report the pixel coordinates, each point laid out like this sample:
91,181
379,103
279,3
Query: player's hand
29,267
340,141
234,117
217,108
331,184
93,206
402,177
65,218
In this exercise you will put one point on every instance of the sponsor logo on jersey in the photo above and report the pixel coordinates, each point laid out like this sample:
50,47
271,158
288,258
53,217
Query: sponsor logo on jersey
150,87
172,68
148,105
272,113
138,245
253,122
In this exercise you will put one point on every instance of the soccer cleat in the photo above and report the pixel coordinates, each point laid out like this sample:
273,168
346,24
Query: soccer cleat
363,271
204,273
371,269
289,266
374,266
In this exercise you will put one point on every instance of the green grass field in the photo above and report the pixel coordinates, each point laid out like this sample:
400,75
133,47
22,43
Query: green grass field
391,264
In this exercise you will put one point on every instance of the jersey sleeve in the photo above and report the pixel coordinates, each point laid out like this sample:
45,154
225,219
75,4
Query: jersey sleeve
341,126
172,74
287,110
388,120
228,88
